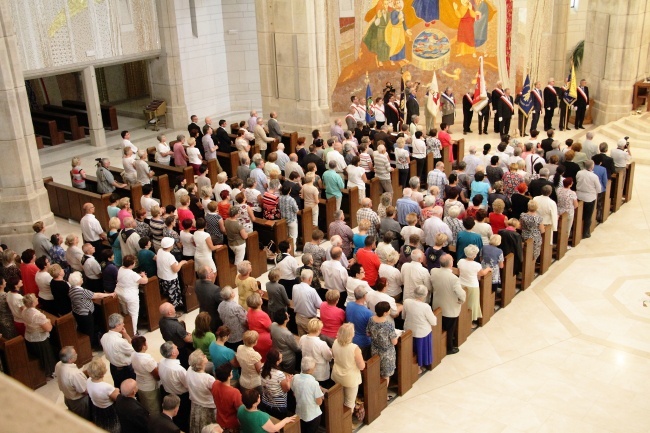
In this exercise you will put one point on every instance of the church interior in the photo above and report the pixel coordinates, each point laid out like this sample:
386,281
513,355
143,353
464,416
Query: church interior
565,348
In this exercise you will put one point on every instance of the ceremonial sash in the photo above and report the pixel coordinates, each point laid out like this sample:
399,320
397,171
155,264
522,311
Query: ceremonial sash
392,107
552,89
449,99
536,92
351,116
469,98
376,107
499,90
583,94
507,101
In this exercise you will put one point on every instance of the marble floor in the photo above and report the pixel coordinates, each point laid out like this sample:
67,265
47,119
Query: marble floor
570,354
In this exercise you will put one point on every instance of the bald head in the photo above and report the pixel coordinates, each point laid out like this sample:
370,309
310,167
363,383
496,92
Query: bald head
293,157
366,202
128,222
336,253
128,388
167,310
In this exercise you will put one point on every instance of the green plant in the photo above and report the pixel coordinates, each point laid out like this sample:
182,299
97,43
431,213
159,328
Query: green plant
577,53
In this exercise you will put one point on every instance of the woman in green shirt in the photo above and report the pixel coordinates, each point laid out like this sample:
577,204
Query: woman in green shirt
202,337
253,420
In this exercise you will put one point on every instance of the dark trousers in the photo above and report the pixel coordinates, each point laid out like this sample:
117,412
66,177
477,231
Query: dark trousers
120,374
587,213
450,324
404,177
497,124
86,325
565,113
600,207
96,286
310,426
184,355
505,125
533,123
483,122
99,247
548,119
521,124
580,116
467,120
421,169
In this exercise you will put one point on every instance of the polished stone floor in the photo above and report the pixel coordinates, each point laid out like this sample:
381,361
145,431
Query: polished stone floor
570,354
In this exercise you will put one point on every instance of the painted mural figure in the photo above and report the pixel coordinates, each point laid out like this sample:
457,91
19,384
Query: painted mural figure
396,32
481,23
427,10
467,15
375,38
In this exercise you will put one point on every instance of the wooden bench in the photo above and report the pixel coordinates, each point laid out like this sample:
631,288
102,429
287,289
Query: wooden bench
464,322
326,210
172,172
488,298
290,141
305,225
413,168
350,205
458,147
617,192
133,192
508,280
373,192
270,230
19,365
109,113
82,115
108,306
397,188
229,162
336,417
375,390
429,164
162,189
187,276
64,122
561,236
527,265
151,302
605,205
293,427
212,171
439,337
226,271
64,333
408,370
67,201
255,254
576,229
546,254
39,142
48,131
629,182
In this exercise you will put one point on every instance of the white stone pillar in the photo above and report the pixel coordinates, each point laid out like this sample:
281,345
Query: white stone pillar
23,198
293,62
616,48
91,95
559,63
165,71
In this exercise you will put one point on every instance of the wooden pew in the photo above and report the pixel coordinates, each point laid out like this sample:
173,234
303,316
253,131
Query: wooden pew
439,337
326,210
336,417
151,302
255,254
375,390
413,168
293,427
407,367
617,192
64,122
212,171
108,306
508,280
19,365
464,323
270,230
64,333
162,189
527,265
397,188
487,298
188,281
429,166
546,254
629,182
82,115
576,230
373,192
171,171
561,236
458,152
305,225
229,162
459,149
67,201
350,205
39,141
226,271
593,223
290,141
109,113
48,130
606,208
134,192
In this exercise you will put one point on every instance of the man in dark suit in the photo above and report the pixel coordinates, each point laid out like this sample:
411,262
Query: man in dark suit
382,135
468,113
193,125
274,127
222,138
209,296
497,93
162,422
582,103
550,103
505,111
312,156
538,105
393,113
565,109
133,416
547,143
535,186
605,160
412,104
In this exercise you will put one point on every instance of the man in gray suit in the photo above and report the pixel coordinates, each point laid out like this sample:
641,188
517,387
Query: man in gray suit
449,296
274,126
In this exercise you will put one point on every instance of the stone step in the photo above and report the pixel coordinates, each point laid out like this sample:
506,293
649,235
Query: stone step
638,123
628,131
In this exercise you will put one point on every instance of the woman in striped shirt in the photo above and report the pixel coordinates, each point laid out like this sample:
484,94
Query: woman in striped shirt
275,386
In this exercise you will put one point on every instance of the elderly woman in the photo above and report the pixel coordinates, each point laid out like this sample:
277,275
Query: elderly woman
40,243
498,194
384,202
567,201
392,275
403,160
427,210
492,258
204,247
454,224
157,225
520,200
102,395
60,288
246,285
169,232
532,227
418,318
43,278
251,419
382,167
167,269
250,362
7,328
57,253
15,302
128,288
81,302
74,254
163,152
496,218
434,191
313,346
233,316
383,339
199,383
37,334
220,354
236,234
129,175
284,341
348,363
202,337
332,316
259,322
28,271
511,180
125,210
142,169
275,385
580,157
469,272
183,212
146,375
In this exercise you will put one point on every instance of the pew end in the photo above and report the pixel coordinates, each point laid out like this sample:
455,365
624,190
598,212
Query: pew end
375,390
188,281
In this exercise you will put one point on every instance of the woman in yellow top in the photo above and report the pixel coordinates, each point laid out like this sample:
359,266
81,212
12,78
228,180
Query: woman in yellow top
246,285
348,363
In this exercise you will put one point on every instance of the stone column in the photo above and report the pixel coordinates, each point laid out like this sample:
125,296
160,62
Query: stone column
23,197
91,95
293,62
615,55
558,35
166,75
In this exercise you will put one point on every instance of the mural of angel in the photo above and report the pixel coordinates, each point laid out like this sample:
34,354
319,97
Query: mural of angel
396,32
375,38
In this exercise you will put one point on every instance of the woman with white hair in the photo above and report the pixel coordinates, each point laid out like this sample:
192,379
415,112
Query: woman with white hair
383,168
102,395
142,169
309,396
418,318
129,175
128,289
73,254
204,247
199,383
81,301
163,152
454,224
233,316
469,273
403,160
492,258
167,269
392,275
37,334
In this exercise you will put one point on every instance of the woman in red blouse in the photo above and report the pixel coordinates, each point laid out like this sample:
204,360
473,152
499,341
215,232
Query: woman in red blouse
259,321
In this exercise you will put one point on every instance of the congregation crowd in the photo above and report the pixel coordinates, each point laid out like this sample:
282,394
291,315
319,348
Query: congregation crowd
260,352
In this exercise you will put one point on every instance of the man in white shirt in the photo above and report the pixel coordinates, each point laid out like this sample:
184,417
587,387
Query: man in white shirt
173,379
336,131
337,156
334,274
472,161
621,156
373,297
283,159
589,147
449,296
126,142
91,229
129,238
306,301
533,159
434,225
147,201
116,344
72,383
414,274
546,207
252,121
587,189
292,166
